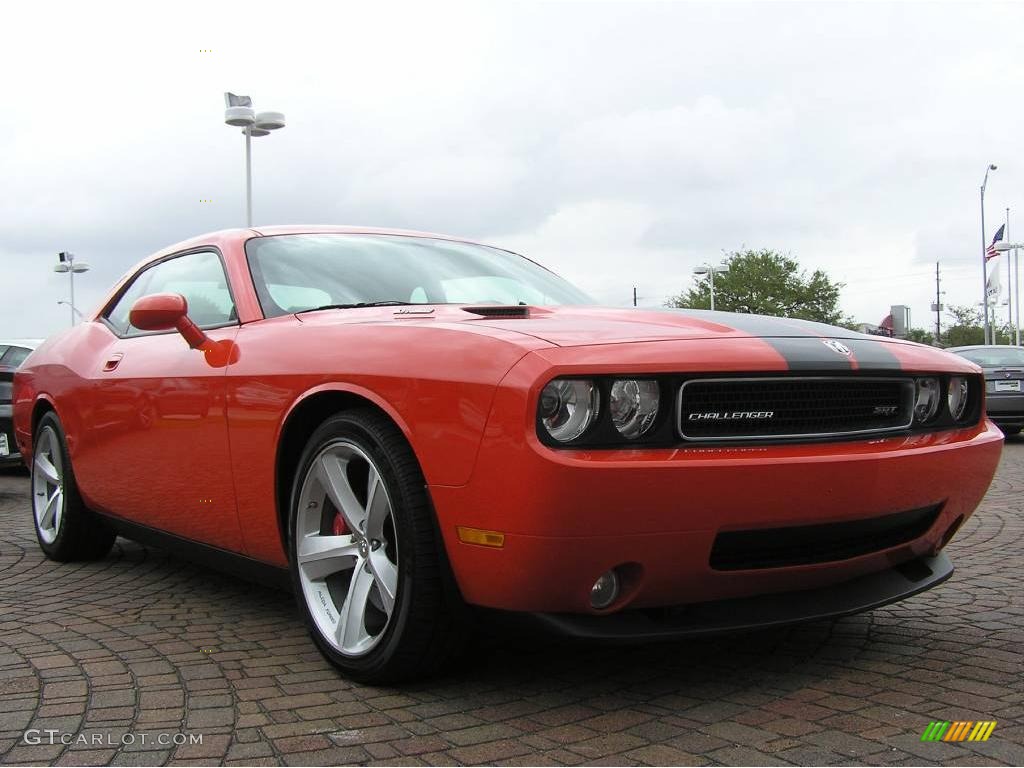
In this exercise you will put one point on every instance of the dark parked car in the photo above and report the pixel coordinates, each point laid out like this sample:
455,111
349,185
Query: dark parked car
1004,390
12,354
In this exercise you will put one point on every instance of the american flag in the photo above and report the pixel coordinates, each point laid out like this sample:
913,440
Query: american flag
991,252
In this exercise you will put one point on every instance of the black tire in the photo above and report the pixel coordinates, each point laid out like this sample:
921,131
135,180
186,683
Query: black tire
79,533
1008,431
425,628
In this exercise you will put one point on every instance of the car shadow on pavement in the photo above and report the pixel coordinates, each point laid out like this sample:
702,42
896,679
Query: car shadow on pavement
494,658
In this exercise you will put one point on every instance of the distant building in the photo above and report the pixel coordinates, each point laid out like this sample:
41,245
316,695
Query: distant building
874,330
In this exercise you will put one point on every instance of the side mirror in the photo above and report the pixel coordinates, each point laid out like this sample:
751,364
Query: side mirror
164,311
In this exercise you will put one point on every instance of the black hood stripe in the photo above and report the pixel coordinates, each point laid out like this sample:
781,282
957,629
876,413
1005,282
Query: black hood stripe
801,343
874,355
808,354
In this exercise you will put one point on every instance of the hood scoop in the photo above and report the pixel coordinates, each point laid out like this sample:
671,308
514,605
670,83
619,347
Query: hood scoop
511,312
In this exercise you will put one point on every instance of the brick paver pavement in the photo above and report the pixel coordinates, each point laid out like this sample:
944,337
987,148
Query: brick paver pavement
143,644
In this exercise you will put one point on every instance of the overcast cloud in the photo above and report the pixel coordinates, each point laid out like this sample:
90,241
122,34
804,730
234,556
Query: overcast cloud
617,143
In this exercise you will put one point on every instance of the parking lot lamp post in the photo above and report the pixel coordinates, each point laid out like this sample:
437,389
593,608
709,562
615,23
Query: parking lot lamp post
239,112
710,270
67,263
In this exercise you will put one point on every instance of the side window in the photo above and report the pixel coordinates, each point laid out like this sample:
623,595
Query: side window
14,356
199,277
118,315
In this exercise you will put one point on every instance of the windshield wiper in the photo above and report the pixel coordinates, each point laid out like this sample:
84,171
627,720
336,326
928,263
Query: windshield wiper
359,305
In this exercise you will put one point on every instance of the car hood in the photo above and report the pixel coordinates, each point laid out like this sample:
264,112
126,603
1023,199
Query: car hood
579,326
799,343
573,326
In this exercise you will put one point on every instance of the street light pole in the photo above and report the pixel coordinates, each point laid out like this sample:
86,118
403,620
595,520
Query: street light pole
239,112
66,263
984,260
709,270
248,177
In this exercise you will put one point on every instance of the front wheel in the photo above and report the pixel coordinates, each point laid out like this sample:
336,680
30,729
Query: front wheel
366,563
65,528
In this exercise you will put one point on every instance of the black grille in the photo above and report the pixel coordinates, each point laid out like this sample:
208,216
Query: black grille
737,409
808,544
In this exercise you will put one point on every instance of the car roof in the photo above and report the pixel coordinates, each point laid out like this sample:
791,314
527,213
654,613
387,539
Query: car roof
300,229
29,343
289,229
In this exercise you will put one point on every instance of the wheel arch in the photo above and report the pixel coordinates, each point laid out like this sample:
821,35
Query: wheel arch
40,408
305,415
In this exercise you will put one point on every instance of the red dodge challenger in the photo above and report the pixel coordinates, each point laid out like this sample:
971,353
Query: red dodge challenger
408,424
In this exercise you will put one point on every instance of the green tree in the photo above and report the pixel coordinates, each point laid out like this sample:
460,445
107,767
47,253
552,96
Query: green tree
921,336
969,328
766,282
966,329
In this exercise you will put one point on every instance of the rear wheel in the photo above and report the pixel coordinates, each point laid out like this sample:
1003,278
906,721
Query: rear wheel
366,561
65,528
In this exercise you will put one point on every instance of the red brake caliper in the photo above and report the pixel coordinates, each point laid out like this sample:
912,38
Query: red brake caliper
338,527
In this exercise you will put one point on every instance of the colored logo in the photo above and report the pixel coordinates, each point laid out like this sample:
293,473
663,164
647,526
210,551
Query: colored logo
960,730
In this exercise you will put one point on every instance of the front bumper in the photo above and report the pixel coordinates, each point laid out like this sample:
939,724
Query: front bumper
1005,410
760,612
569,516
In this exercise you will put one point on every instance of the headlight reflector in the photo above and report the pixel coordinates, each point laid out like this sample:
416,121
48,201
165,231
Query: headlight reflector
634,406
926,403
568,407
957,397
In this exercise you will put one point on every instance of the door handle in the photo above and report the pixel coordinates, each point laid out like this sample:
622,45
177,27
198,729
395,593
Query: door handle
112,361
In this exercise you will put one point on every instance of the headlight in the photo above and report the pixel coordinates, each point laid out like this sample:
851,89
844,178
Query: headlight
926,403
634,406
957,397
568,407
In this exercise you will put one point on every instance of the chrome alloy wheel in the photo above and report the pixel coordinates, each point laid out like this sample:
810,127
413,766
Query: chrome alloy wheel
347,548
48,484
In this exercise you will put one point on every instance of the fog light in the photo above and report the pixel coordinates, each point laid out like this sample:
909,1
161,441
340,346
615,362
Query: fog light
605,590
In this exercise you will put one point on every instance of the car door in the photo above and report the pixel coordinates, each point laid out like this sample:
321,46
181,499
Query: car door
158,451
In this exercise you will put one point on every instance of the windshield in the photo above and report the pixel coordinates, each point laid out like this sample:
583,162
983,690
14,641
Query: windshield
993,357
293,273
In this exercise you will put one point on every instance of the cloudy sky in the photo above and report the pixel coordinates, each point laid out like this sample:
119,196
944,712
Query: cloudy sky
619,143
